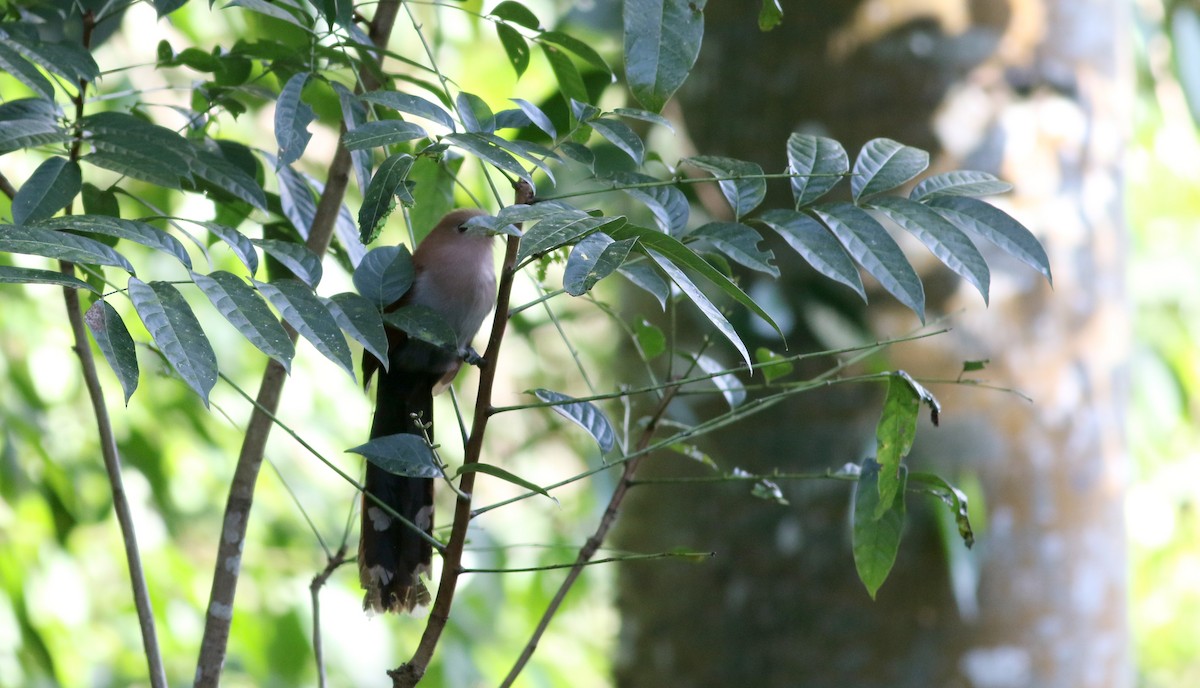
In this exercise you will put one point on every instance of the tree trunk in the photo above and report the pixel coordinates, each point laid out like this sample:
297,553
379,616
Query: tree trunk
1035,91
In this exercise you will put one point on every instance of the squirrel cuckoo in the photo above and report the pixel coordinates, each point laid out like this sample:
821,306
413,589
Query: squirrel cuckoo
454,274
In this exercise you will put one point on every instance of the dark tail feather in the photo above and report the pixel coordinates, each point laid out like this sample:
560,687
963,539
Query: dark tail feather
391,555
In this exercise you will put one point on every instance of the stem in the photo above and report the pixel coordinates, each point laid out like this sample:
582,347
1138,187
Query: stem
318,582
213,646
410,673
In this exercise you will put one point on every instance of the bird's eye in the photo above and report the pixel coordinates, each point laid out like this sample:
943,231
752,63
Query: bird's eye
462,228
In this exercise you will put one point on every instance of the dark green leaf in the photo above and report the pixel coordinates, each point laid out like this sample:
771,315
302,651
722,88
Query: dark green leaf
926,397
769,15
14,275
412,105
378,134
384,275
361,320
387,183
959,183
996,226
246,311
592,259
229,178
131,230
433,189
531,152
699,298
662,41
498,472
403,454
884,164
741,182
149,149
580,48
875,250
137,163
97,201
621,136
292,117
730,386
275,11
35,241
481,147
584,414
772,365
652,341
515,46
300,307
645,116
681,255
667,203
559,230
516,13
894,437
941,237
48,190
423,323
296,197
240,243
111,335
354,114
816,245
739,243
66,59
297,258
953,497
165,7
16,66
176,332
876,539
821,163
565,73
535,115
643,275
16,134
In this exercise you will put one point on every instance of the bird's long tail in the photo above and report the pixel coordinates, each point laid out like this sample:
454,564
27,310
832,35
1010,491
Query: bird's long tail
391,555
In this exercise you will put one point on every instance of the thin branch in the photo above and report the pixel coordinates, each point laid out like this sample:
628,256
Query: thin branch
409,674
219,616
334,561
7,188
595,562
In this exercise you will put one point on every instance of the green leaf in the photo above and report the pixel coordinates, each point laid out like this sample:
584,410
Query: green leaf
115,344
27,132
768,490
229,178
821,162
578,47
300,307
743,195
14,275
770,15
996,226
941,237
248,313
620,135
297,258
275,11
354,114
816,245
953,497
361,320
131,230
926,397
651,339
35,241
959,183
643,276
515,46
384,275
242,247
487,151
433,191
584,414
516,13
565,73
424,323
135,147
402,454
412,105
176,332
773,365
876,539
739,243
498,472
698,297
531,152
884,164
662,41
66,59
645,116
559,230
592,259
48,190
385,133
535,115
730,386
138,162
894,437
97,201
292,117
681,255
386,184
875,250
667,203
16,66
296,197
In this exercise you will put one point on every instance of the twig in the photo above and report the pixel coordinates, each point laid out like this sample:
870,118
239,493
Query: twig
7,188
241,490
409,674
318,582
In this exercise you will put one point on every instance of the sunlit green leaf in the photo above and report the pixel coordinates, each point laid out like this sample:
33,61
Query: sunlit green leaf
941,237
772,365
176,332
386,184
821,163
884,164
248,313
300,307
508,476
876,538
412,105
378,134
769,15
894,437
111,335
48,190
650,339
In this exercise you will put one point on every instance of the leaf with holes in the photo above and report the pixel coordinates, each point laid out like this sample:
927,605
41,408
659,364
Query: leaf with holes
176,332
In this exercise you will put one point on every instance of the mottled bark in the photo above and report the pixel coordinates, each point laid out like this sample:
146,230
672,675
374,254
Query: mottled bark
1030,90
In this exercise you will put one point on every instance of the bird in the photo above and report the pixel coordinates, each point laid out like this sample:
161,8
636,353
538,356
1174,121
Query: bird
453,274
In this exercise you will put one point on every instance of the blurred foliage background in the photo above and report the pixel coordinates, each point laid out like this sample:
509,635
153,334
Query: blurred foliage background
65,613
